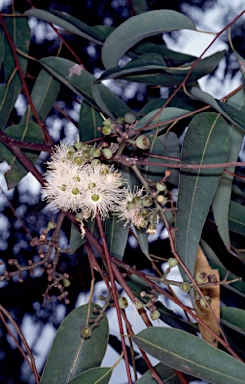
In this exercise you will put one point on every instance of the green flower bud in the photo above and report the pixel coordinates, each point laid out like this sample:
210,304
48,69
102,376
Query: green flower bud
201,277
202,302
78,145
140,305
143,142
185,287
107,153
162,199
155,314
75,191
96,152
70,155
129,118
86,332
86,154
106,130
120,120
66,283
144,212
136,201
78,160
172,262
123,302
147,201
107,122
161,186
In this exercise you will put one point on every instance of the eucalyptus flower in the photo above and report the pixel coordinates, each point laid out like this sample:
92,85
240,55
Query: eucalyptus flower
130,207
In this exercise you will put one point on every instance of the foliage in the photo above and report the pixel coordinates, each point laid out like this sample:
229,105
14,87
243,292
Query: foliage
119,178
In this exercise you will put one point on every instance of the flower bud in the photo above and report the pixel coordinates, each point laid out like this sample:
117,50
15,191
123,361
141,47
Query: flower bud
143,142
147,201
185,287
86,332
155,314
96,153
160,186
66,283
201,277
202,302
129,118
140,305
106,130
123,302
161,199
107,153
136,201
172,262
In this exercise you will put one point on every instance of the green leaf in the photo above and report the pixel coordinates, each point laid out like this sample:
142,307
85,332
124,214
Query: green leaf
241,63
89,120
1,49
76,240
221,201
67,22
164,145
191,355
145,63
142,238
232,114
116,236
20,33
233,318
139,6
71,353
206,142
138,28
166,373
32,134
99,375
43,95
237,218
172,57
8,96
164,117
80,81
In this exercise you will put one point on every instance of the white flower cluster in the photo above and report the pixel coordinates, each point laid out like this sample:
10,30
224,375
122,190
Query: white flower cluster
85,187
79,183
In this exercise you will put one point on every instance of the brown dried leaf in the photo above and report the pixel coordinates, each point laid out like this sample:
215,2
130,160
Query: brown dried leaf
214,292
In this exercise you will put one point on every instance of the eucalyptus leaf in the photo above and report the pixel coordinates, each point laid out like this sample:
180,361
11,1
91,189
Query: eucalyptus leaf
138,28
241,63
178,350
234,316
117,236
221,201
237,218
89,120
163,119
21,35
71,353
99,375
166,373
234,115
31,133
43,95
67,22
142,238
206,142
8,94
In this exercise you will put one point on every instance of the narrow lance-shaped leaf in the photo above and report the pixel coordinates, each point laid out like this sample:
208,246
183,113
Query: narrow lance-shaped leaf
230,112
166,373
89,120
206,142
80,81
43,95
72,353
20,33
117,236
8,94
67,22
99,375
221,202
138,28
191,355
